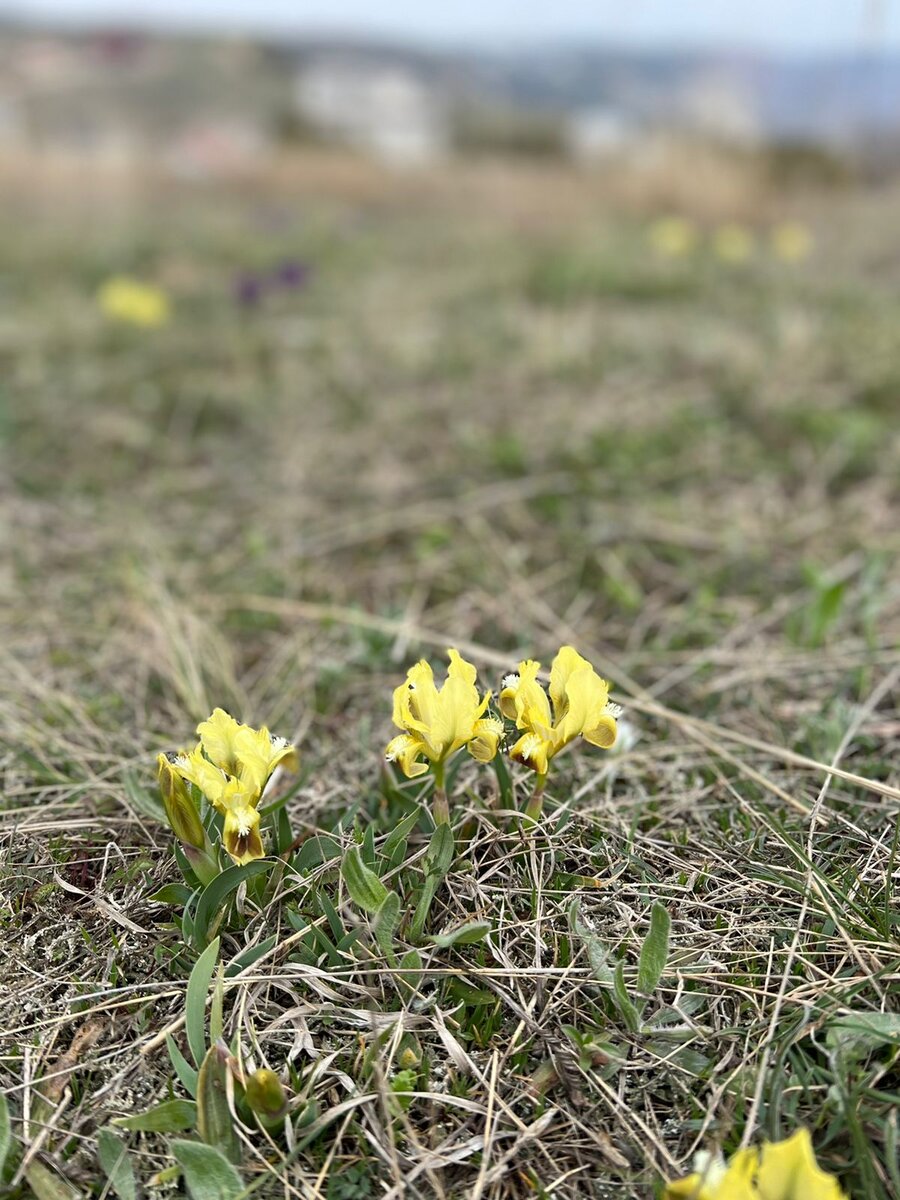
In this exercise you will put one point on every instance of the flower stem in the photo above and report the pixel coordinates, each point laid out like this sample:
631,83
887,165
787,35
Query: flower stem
535,805
440,808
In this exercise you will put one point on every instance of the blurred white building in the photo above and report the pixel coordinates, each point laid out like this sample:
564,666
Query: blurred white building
593,134
718,104
384,109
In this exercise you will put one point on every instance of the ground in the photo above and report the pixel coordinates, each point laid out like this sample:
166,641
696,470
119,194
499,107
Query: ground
500,424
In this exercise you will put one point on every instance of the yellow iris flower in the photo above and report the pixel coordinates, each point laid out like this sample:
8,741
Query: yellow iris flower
779,1171
581,708
135,303
792,242
436,722
673,237
734,243
251,755
231,767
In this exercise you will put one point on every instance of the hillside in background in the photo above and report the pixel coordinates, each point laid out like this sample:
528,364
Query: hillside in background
93,88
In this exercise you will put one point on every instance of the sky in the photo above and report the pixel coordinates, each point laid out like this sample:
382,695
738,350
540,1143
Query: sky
795,26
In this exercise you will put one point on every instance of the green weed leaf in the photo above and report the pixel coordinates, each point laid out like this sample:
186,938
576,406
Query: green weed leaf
857,1035
172,1116
112,1154
366,889
314,852
441,848
214,1124
627,1010
654,951
47,1185
411,968
598,956
208,1174
386,921
465,935
5,1132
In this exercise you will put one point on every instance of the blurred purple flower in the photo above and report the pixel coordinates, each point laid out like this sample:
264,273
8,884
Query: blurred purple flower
292,274
248,290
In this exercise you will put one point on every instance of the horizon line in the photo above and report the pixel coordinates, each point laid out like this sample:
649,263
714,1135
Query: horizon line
385,37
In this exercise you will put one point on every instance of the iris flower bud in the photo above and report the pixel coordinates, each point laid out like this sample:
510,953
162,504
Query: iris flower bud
265,1095
181,812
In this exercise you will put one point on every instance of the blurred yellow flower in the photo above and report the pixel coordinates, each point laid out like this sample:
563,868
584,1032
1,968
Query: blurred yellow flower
791,242
779,1171
581,708
436,722
734,243
135,303
231,766
673,237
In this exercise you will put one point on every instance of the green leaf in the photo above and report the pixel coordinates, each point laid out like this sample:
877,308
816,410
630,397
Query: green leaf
47,1185
367,849
183,1069
195,1001
214,1123
598,956
248,957
213,895
386,921
314,852
858,1034
365,888
654,951
5,1132
187,918
335,923
215,1009
397,859
629,1013
411,969
892,1150
284,835
439,856
184,866
147,803
172,893
472,931
172,1116
420,916
400,833
504,781
207,1172
112,1154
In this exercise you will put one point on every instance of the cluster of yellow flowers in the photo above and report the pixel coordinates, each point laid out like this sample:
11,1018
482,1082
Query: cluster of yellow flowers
232,763
779,1171
133,303
436,722
230,766
676,237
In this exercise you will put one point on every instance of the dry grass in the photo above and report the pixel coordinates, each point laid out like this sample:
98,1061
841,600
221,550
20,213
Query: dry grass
500,436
